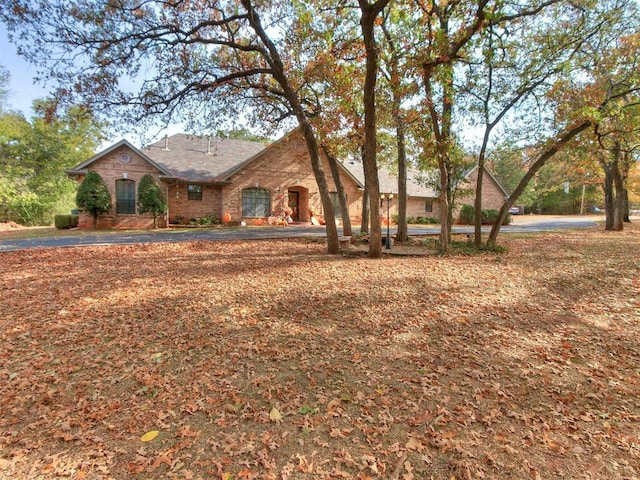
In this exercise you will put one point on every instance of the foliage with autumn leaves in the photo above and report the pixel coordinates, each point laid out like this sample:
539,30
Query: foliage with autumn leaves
349,74
210,362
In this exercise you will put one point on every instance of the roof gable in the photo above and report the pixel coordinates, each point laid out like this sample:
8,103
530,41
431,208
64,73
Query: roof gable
491,176
294,135
281,142
82,167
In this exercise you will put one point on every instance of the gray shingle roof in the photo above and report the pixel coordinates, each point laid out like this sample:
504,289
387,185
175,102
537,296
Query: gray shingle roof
200,159
389,180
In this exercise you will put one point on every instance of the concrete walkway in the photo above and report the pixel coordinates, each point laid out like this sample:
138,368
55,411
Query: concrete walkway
523,223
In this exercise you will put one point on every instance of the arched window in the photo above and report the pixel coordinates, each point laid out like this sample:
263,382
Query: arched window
256,202
125,197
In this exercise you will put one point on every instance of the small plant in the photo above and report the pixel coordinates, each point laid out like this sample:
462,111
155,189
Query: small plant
209,220
431,243
303,410
66,221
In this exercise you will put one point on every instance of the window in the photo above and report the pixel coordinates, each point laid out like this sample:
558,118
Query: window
194,192
428,205
336,204
256,202
125,197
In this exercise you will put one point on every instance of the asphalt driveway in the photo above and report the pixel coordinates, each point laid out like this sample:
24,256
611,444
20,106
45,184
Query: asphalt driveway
523,223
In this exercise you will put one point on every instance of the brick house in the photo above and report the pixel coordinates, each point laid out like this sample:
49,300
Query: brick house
236,180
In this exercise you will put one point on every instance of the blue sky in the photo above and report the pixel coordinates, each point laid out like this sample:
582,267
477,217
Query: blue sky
22,90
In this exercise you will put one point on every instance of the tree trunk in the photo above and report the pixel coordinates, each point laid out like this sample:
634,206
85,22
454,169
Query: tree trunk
441,125
342,197
402,235
618,183
556,146
477,239
627,211
614,192
607,187
272,57
625,167
333,245
445,206
370,166
364,224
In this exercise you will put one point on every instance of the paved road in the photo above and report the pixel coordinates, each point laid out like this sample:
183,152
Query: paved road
525,223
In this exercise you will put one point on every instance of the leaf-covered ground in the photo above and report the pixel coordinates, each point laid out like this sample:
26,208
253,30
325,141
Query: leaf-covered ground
272,360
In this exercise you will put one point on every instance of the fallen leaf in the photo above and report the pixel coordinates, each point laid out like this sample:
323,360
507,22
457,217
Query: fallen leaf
275,415
150,435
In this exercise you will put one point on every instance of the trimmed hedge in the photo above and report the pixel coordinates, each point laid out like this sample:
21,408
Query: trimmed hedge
66,221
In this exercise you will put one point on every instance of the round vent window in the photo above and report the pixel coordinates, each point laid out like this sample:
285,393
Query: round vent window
125,157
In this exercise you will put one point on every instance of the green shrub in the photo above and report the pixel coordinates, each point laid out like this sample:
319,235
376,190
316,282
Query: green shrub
422,220
93,196
427,220
467,215
208,220
489,217
150,198
66,221
30,210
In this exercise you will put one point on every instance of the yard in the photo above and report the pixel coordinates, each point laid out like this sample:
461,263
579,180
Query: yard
272,360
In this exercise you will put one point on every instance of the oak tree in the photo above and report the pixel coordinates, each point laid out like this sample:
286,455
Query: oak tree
157,61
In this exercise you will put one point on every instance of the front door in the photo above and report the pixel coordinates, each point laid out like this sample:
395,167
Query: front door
294,204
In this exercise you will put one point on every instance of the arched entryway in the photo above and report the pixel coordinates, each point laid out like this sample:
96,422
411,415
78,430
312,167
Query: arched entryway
298,201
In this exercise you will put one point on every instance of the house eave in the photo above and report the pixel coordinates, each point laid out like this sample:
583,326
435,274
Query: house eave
82,168
176,179
76,172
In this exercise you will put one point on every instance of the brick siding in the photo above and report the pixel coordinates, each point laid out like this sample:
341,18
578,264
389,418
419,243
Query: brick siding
283,167
111,169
